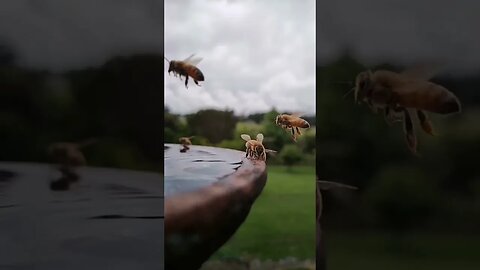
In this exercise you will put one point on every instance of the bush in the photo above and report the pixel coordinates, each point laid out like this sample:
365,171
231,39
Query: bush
402,198
290,155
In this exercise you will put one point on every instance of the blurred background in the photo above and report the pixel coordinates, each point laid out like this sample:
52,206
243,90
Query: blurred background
258,62
71,72
409,212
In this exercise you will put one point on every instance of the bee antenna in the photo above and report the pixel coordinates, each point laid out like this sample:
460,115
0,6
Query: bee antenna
166,59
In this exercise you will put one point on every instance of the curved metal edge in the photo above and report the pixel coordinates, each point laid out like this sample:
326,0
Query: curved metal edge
198,223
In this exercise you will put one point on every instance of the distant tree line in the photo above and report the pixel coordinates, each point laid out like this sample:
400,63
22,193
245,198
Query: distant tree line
223,129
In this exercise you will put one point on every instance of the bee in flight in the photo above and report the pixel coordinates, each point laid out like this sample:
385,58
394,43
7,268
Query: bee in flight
186,68
293,122
185,142
401,94
255,148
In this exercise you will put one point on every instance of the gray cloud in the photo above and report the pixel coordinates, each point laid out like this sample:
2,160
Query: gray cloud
256,54
405,32
59,35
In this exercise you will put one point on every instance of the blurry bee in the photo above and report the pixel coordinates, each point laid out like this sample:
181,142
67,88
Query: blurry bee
186,68
293,122
255,148
396,93
68,156
325,185
185,142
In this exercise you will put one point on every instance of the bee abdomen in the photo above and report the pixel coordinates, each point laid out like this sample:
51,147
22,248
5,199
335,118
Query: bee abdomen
451,105
305,124
198,75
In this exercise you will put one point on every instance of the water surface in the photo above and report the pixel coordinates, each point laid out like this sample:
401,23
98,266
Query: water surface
198,167
108,219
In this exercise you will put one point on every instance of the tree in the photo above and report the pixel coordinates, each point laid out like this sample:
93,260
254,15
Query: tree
290,155
275,136
212,124
402,198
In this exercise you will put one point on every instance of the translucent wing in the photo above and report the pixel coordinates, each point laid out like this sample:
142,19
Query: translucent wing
271,152
298,114
192,60
245,137
260,137
328,184
422,71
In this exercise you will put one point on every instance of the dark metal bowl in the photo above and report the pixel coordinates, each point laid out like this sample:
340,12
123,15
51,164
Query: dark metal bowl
209,193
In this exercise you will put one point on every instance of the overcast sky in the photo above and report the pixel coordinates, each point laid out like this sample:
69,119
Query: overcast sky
256,54
402,31
60,35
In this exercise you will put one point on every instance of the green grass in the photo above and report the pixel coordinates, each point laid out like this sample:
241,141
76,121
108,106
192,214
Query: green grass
281,222
353,250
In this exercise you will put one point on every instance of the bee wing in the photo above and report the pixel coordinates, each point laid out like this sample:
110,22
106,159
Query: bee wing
245,137
193,60
422,71
297,114
269,151
328,184
260,137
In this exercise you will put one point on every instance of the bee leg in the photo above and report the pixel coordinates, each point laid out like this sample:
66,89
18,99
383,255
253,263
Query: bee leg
196,82
298,131
186,81
425,122
397,113
393,115
294,137
387,116
372,107
409,132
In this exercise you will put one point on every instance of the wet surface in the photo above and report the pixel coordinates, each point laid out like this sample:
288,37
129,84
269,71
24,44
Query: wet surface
198,167
209,192
107,219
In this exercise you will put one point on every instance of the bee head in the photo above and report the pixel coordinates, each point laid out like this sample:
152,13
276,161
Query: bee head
171,67
277,120
362,85
259,150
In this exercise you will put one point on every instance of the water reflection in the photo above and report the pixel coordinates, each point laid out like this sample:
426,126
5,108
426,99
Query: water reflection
198,167
98,219
69,72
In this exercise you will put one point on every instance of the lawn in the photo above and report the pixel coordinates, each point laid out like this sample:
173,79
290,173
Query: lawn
354,250
281,222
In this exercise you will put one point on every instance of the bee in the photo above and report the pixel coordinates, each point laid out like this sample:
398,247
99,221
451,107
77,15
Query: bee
68,154
293,122
255,148
186,68
325,185
185,142
400,95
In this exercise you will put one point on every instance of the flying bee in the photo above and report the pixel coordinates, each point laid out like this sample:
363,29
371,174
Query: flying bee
185,142
186,68
255,148
400,94
293,122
